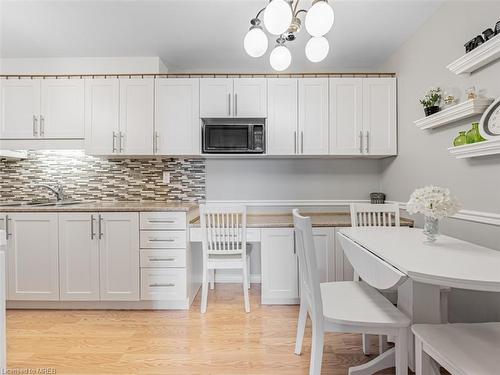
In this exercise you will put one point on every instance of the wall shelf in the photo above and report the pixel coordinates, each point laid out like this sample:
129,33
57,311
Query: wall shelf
484,148
477,58
454,113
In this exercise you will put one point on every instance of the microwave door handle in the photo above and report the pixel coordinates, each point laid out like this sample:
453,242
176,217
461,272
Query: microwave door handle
250,137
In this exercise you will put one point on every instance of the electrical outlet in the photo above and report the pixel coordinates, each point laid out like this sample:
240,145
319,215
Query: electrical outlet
166,177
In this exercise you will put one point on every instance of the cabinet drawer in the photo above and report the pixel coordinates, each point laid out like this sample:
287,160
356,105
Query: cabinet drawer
163,284
163,258
163,220
163,239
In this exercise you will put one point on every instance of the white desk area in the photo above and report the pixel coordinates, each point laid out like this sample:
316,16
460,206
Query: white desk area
447,262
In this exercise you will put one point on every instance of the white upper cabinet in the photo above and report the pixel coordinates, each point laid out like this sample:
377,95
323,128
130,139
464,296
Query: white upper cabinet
282,116
32,257
102,117
177,116
228,97
346,116
119,252
379,116
313,116
136,116
250,97
20,108
62,114
216,97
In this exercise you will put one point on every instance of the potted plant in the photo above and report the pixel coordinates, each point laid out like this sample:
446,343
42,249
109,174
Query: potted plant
431,101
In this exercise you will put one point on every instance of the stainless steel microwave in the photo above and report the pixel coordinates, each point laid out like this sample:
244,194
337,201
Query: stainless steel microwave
234,137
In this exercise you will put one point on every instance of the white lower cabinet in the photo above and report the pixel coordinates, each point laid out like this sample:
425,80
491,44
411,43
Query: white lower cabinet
324,245
32,257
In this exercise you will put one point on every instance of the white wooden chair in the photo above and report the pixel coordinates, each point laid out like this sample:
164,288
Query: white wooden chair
224,245
385,215
462,349
344,306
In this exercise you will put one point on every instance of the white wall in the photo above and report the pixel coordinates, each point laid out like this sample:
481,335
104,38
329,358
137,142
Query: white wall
82,65
423,157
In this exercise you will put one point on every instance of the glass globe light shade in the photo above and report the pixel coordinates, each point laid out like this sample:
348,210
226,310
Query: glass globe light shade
277,16
280,58
255,42
317,48
319,18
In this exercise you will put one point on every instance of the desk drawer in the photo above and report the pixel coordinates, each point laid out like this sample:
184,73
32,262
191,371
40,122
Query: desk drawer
163,258
163,220
163,284
163,239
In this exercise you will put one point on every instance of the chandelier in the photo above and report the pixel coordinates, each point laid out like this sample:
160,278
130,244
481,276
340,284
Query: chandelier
281,18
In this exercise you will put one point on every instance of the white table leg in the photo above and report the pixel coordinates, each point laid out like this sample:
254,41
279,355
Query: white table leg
386,360
421,303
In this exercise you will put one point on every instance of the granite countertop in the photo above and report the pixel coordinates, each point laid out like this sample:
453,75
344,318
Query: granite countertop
319,219
99,206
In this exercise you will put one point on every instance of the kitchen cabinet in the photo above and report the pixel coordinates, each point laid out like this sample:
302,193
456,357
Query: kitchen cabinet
379,116
343,268
279,266
42,109
78,257
313,116
118,234
228,97
324,245
177,116
282,120
32,256
119,116
136,116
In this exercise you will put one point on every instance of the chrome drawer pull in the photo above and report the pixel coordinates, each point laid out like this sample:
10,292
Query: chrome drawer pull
156,285
162,221
161,259
160,240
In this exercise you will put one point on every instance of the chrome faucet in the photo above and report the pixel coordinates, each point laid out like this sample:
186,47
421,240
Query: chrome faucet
58,190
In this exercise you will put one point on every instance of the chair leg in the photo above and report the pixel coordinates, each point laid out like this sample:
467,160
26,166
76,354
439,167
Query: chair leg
301,326
316,350
204,290
367,341
402,352
245,287
248,270
382,344
212,279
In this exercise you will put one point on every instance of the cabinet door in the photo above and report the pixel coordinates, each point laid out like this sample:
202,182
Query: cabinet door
346,116
379,116
343,268
63,104
136,116
216,97
280,283
78,257
250,97
119,256
101,116
177,120
20,108
324,245
32,256
313,116
282,116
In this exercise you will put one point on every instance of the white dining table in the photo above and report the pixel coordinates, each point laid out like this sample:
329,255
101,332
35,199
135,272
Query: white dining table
427,267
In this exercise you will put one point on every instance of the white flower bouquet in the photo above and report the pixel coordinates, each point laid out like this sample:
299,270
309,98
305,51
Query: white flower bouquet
433,201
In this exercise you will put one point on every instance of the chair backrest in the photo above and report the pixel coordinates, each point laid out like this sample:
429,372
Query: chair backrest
374,215
223,229
308,268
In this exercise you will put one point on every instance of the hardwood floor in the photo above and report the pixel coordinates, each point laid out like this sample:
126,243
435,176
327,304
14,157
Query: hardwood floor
225,340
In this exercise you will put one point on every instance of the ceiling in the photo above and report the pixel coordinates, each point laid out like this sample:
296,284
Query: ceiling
201,35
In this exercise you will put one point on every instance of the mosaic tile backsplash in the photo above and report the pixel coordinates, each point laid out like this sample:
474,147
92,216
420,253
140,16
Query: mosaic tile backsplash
92,178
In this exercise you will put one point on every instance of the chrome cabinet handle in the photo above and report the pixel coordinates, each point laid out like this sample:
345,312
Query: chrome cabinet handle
156,141
229,104
114,142
35,126
236,104
100,227
161,221
122,137
42,126
367,141
151,259
360,142
157,285
161,240
295,142
92,234
302,141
